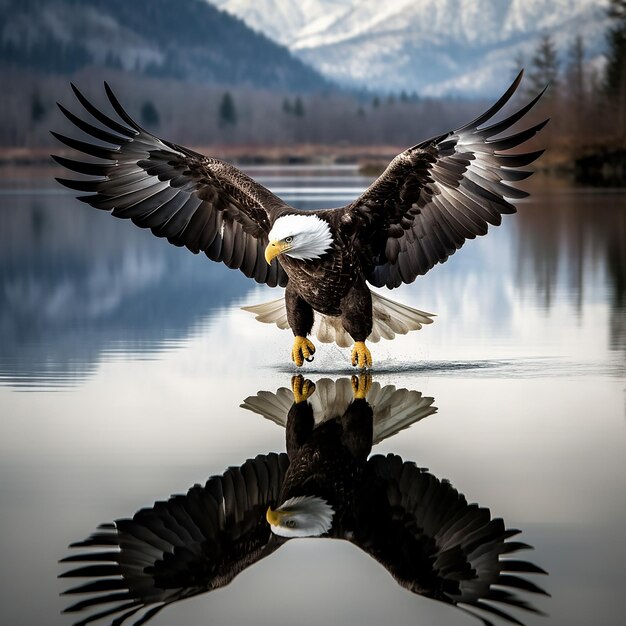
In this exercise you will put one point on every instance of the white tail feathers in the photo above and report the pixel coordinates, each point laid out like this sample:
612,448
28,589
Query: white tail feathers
389,319
394,409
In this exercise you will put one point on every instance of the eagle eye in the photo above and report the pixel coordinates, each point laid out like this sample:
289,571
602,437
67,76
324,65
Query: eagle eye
288,239
290,523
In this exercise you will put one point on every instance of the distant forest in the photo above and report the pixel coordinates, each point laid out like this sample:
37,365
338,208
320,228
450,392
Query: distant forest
587,105
207,115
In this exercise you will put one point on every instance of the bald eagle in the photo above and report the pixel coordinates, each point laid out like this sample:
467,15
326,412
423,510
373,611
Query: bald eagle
417,526
431,198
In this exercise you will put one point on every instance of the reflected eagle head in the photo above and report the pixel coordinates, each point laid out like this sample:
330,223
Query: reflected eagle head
302,516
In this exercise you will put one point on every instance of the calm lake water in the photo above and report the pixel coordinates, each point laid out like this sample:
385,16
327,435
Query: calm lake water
124,361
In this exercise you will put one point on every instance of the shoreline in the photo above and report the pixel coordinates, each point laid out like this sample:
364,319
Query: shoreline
601,169
245,154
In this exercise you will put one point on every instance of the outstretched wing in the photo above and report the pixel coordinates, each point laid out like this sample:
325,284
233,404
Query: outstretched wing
437,194
192,200
180,548
436,544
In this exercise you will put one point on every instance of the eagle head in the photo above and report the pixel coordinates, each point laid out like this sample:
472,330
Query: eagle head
304,237
302,516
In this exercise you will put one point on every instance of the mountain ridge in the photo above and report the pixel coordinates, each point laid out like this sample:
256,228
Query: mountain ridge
434,47
191,40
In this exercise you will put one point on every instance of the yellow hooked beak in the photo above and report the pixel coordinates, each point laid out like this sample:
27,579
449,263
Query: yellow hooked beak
274,248
273,517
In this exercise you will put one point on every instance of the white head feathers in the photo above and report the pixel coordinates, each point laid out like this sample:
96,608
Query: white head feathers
310,235
302,516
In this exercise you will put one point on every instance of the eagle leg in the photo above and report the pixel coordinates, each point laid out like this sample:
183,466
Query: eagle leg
356,318
302,388
300,319
302,349
361,385
361,356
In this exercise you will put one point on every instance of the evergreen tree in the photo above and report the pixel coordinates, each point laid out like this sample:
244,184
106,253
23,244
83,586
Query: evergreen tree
298,107
376,102
576,92
149,115
544,67
227,111
287,108
37,108
616,65
576,70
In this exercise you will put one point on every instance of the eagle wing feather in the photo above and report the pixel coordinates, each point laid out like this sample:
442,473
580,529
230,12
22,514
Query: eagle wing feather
439,193
435,544
195,201
180,548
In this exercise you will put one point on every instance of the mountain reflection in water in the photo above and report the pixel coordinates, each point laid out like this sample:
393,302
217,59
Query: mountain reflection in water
78,288
417,526
135,356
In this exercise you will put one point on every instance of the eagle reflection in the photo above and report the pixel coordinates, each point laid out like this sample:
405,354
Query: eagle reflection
418,527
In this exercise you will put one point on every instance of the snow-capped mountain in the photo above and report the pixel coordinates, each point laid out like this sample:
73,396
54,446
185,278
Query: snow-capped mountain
434,47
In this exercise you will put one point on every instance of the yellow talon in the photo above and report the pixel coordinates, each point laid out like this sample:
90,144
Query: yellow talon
302,349
361,385
361,356
302,388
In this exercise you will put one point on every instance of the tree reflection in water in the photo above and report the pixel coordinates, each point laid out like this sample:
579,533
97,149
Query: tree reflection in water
580,237
417,526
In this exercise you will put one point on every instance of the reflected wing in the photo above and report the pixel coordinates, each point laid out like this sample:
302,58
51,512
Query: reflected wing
437,194
180,548
397,409
195,201
394,409
436,544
